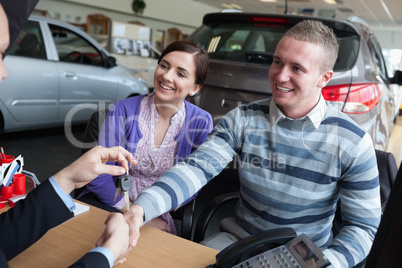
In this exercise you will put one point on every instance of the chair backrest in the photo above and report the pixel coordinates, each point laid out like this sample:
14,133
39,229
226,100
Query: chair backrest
385,251
31,47
387,170
91,133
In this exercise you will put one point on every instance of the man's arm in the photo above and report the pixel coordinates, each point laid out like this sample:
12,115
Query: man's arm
32,217
114,238
92,260
360,207
188,176
92,164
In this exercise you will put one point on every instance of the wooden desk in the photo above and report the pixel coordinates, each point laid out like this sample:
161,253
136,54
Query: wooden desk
63,245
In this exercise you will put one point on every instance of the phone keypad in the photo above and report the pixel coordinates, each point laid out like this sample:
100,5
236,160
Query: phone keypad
278,257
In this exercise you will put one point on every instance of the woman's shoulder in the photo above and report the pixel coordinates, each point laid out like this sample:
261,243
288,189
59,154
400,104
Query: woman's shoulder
192,109
128,104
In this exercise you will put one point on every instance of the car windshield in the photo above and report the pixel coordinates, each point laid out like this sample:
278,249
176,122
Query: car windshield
244,42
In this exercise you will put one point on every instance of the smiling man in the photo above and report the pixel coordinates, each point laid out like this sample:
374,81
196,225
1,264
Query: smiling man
297,156
298,72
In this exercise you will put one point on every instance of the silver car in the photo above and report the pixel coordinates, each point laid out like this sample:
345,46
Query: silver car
241,47
58,73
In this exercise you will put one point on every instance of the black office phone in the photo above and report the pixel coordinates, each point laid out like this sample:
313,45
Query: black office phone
273,248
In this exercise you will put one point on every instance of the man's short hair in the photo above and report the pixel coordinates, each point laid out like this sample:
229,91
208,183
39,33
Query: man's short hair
316,32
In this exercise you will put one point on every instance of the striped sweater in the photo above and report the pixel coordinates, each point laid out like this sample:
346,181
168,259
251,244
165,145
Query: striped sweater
292,173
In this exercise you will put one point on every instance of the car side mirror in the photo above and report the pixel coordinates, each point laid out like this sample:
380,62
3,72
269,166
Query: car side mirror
397,79
110,62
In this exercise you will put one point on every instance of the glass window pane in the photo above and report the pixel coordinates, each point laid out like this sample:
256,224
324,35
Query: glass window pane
72,47
29,42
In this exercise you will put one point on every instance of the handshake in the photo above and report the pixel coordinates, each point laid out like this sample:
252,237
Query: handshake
115,236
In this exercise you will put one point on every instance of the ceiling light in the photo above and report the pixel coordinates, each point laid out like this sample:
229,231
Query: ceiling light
232,5
331,2
268,1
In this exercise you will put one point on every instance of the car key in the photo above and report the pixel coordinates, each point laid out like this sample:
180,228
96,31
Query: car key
123,185
117,184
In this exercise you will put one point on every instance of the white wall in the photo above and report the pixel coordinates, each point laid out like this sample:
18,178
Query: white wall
178,11
164,14
389,38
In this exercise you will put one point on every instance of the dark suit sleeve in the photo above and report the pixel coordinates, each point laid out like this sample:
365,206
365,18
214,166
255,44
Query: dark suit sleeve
30,219
92,259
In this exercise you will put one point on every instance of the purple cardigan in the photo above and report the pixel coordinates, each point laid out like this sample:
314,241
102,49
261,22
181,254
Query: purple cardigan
121,127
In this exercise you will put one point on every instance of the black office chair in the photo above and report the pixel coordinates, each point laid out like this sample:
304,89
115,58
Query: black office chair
183,216
385,251
387,168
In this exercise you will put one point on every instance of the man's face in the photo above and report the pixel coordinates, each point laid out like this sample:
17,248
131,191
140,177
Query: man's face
4,41
295,76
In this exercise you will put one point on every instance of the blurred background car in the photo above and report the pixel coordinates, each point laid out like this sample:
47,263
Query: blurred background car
241,47
57,73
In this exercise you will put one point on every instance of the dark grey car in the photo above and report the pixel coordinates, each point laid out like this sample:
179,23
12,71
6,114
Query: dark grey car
241,46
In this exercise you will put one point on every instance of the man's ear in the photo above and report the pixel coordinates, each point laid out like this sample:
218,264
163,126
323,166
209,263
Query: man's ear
325,77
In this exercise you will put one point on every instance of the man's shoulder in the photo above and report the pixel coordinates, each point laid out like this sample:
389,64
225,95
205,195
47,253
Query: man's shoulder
256,106
340,119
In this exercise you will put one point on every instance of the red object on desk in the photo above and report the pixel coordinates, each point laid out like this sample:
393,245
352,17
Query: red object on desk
7,192
11,204
1,203
3,156
7,159
19,182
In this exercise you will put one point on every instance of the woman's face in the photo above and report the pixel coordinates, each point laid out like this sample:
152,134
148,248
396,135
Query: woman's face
175,78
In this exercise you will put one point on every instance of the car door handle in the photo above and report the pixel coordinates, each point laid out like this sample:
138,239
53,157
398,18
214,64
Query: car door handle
71,75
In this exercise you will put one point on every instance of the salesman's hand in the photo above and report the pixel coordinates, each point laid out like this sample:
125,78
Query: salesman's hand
91,165
135,219
115,237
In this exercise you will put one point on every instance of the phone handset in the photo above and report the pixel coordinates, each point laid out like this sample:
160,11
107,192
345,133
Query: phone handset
252,245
